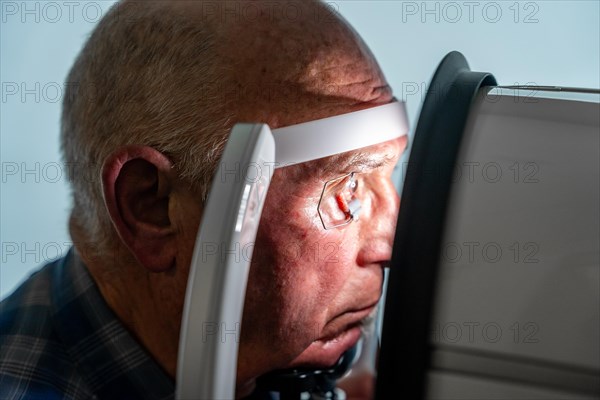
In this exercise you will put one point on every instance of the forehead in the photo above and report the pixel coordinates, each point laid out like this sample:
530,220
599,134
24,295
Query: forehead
363,160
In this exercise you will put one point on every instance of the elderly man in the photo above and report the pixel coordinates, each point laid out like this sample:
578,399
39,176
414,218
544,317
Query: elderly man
159,86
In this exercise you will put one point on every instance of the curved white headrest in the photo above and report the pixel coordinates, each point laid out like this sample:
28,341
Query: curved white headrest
325,137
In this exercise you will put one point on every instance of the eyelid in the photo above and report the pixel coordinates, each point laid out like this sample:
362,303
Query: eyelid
368,167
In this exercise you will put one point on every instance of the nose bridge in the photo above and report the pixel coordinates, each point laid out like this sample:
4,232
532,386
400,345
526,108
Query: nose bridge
384,213
396,203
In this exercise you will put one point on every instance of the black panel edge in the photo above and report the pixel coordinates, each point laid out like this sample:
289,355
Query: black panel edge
405,353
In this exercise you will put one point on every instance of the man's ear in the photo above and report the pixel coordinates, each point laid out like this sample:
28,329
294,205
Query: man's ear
137,183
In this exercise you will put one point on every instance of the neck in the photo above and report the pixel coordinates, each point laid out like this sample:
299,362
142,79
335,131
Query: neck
145,302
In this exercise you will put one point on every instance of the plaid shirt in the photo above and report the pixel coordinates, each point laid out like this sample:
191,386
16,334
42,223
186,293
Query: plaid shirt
60,340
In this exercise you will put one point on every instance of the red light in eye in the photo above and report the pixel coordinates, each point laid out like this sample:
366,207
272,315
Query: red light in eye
341,203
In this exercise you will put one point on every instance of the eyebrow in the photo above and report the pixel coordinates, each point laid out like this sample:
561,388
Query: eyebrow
354,162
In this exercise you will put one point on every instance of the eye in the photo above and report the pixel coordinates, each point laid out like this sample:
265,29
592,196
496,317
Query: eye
352,183
347,193
339,205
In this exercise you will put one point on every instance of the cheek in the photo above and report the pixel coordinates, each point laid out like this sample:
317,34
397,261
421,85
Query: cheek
299,276
300,261
313,271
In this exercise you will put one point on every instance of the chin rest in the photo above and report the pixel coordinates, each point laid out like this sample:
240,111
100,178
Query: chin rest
306,384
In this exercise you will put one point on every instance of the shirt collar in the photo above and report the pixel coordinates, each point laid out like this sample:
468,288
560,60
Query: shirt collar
113,363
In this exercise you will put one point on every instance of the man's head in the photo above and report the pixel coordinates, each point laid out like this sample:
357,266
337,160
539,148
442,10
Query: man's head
160,86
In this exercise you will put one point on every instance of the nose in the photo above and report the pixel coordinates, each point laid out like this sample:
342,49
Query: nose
378,229
389,206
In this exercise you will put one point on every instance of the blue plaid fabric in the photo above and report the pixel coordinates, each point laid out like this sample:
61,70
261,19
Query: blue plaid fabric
60,340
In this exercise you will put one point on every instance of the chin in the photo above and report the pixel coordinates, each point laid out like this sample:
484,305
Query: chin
337,339
325,352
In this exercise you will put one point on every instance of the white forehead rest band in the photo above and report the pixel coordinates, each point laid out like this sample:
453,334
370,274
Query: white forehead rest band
326,137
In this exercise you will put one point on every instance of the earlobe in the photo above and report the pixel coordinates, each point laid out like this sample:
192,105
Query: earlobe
136,183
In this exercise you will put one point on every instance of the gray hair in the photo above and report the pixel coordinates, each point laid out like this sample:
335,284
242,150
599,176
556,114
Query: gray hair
146,76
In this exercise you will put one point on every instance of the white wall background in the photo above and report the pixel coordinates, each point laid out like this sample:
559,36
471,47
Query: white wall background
535,42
